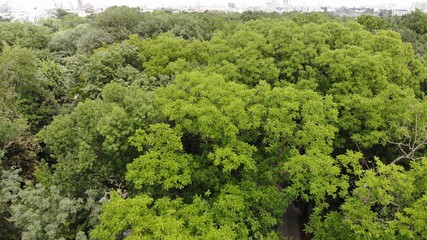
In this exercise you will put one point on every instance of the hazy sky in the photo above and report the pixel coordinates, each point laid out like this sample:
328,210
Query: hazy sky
404,3
164,3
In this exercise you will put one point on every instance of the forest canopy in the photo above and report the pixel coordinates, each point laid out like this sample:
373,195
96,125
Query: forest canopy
131,125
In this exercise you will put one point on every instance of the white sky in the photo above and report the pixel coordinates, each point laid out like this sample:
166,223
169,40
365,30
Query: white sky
401,3
165,3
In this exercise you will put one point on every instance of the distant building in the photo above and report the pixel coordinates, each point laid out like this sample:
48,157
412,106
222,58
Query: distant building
5,11
10,9
5,8
88,8
80,13
354,12
399,12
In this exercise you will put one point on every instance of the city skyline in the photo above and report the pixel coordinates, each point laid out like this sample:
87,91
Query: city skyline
239,3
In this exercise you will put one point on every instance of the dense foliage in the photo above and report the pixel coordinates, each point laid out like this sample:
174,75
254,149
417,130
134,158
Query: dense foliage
209,126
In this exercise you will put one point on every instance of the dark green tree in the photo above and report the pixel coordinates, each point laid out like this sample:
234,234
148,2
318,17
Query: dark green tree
119,22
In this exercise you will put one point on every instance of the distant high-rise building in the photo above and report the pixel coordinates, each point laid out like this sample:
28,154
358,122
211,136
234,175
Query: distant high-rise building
79,4
5,8
399,12
285,3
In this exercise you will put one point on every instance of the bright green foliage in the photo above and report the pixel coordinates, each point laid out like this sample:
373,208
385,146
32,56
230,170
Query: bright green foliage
294,48
158,53
315,178
212,149
143,218
217,113
248,115
380,68
401,66
380,206
164,164
351,70
243,57
360,95
414,218
298,121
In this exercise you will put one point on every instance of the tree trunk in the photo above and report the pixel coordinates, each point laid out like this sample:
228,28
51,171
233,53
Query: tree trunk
290,228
